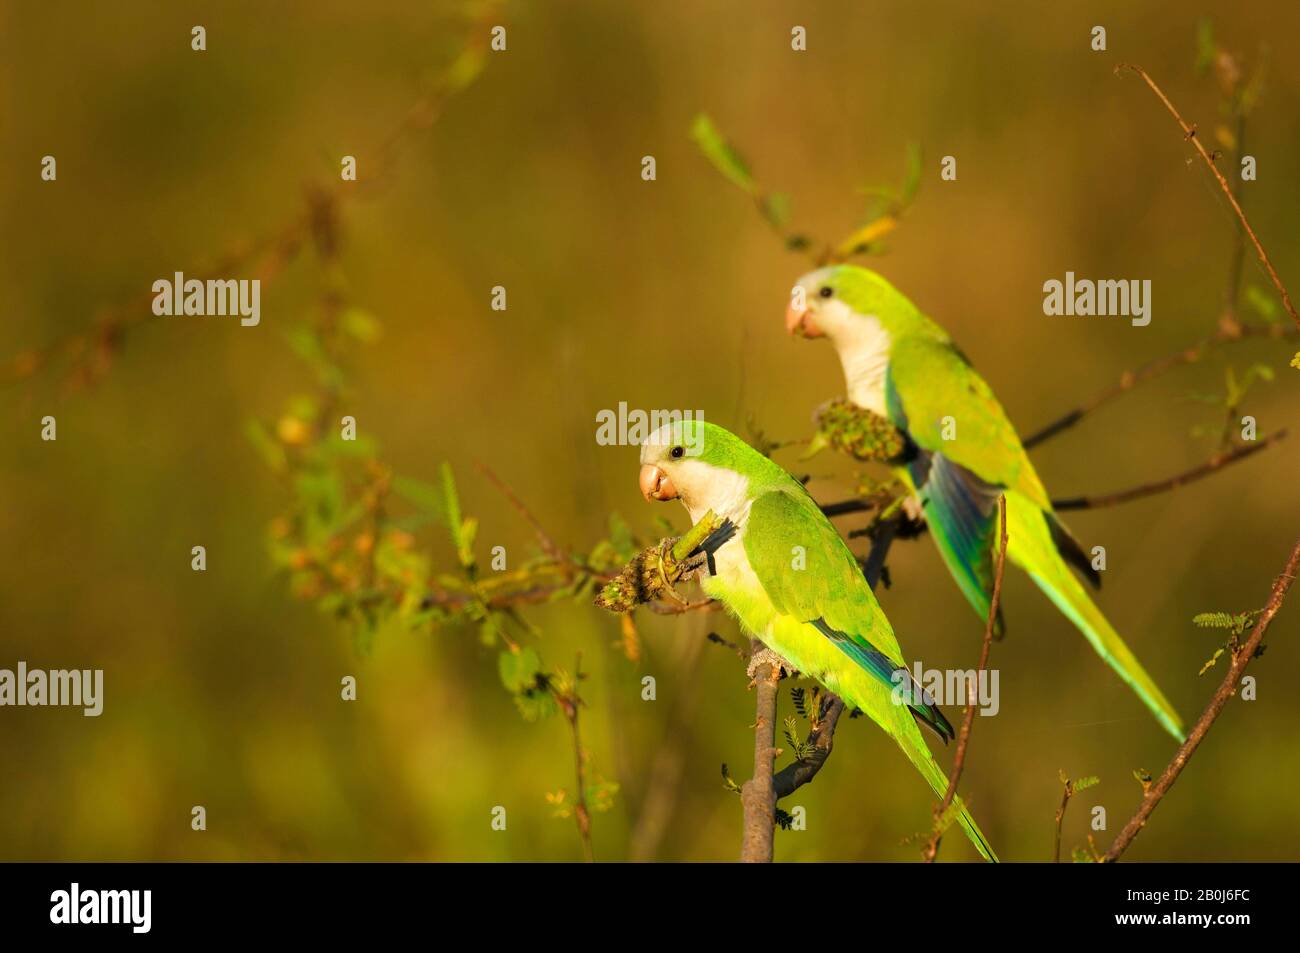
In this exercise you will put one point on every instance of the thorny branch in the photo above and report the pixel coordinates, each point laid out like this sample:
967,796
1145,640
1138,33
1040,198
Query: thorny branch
1130,379
91,351
1189,133
1069,788
1227,689
968,717
569,703
1216,462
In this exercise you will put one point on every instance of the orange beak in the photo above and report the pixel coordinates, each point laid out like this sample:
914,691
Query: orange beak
655,484
800,321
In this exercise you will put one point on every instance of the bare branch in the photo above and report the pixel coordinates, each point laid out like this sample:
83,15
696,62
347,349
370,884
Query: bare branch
1067,792
756,795
1218,702
1227,333
1216,462
548,545
570,702
968,717
1189,132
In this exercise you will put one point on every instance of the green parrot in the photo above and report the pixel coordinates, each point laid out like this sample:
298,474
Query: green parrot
781,568
961,452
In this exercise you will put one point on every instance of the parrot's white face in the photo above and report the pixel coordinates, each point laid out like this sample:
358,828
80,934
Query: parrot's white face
814,310
861,340
668,472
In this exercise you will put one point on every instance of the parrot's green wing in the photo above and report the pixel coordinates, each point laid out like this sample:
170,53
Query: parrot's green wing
828,591
966,454
934,394
814,583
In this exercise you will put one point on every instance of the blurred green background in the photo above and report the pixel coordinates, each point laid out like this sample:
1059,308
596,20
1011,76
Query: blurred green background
222,689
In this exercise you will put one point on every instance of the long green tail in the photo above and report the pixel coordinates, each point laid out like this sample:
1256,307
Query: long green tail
1030,546
920,756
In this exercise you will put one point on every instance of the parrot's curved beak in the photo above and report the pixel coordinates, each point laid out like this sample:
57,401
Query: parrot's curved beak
655,484
800,321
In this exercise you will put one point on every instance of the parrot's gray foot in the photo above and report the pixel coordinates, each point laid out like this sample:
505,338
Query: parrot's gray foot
766,656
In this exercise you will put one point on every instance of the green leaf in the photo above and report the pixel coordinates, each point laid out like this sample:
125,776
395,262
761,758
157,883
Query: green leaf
912,173
1205,47
791,733
776,209
360,324
519,669
465,69
621,537
270,449
720,154
424,496
727,781
1214,620
462,530
1082,784
536,705
1263,303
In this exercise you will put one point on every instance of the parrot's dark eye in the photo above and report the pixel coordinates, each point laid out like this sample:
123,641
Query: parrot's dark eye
676,452
825,291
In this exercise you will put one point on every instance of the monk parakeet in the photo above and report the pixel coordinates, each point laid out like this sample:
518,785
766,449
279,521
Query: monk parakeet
784,572
961,452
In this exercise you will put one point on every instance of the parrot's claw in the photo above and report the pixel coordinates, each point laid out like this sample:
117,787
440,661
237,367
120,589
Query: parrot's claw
695,566
766,656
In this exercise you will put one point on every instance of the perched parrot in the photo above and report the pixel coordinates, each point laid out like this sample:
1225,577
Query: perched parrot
961,452
784,572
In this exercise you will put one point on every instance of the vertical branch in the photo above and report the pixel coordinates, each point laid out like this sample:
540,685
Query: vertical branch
569,704
757,794
1212,711
1189,133
1066,793
968,717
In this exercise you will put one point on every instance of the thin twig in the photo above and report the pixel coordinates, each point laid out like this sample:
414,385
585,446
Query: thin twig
1216,462
968,717
1218,702
92,350
1189,132
675,608
822,739
1225,334
569,703
549,546
1067,792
